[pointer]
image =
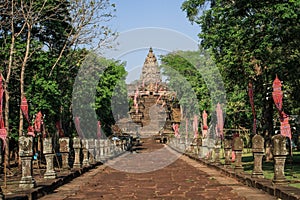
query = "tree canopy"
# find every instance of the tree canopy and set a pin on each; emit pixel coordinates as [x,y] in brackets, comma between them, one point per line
[252,41]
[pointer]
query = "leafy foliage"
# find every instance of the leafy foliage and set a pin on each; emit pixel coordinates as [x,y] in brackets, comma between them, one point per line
[252,41]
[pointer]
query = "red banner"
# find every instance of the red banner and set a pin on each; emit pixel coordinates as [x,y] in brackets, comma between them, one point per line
[220,121]
[99,130]
[38,122]
[24,108]
[251,97]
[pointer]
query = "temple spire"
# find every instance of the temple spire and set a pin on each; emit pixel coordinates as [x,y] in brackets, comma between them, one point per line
[150,71]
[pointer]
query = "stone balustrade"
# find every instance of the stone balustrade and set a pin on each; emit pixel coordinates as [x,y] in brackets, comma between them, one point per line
[86,152]
[26,154]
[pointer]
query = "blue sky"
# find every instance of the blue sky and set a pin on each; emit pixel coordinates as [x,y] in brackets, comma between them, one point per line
[153,13]
[170,30]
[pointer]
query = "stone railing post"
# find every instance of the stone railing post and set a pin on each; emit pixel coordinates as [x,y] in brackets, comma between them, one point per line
[279,153]
[26,153]
[97,150]
[107,152]
[77,149]
[227,151]
[85,152]
[49,155]
[91,148]
[238,145]
[217,151]
[258,153]
[64,150]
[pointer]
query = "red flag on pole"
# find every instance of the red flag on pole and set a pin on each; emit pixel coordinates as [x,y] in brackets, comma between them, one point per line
[205,127]
[285,128]
[277,94]
[250,93]
[59,129]
[24,108]
[77,125]
[98,129]
[38,122]
[3,131]
[176,130]
[220,121]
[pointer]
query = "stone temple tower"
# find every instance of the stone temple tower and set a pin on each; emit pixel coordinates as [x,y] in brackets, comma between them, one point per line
[150,71]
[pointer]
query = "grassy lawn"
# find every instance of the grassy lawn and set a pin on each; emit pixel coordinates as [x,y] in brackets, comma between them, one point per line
[292,167]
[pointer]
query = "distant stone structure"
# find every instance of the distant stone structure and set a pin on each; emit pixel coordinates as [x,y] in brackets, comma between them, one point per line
[155,109]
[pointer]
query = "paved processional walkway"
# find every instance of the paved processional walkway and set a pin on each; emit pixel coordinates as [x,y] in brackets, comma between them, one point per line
[182,179]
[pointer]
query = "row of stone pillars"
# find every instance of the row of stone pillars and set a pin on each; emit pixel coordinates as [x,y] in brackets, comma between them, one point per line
[93,151]
[210,150]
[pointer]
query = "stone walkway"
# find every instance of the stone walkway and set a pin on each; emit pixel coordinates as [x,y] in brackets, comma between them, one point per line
[182,179]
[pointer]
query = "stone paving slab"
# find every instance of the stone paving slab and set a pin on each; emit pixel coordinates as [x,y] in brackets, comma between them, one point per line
[183,179]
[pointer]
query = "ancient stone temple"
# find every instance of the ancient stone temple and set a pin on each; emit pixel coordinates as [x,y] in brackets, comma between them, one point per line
[155,109]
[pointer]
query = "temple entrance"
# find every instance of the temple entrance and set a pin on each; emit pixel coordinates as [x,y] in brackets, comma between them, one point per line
[154,108]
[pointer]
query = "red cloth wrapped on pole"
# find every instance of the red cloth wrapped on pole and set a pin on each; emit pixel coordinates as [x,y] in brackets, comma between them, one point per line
[30,131]
[135,101]
[77,126]
[24,108]
[277,94]
[195,126]
[205,127]
[220,121]
[38,122]
[3,131]
[250,93]
[99,130]
[59,129]
[176,130]
[1,103]
[285,128]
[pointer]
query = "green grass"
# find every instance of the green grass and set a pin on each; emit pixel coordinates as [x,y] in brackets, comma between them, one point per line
[292,167]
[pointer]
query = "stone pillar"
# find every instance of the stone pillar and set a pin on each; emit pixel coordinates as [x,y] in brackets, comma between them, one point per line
[103,149]
[114,148]
[279,153]
[217,152]
[26,153]
[124,145]
[97,150]
[91,148]
[85,152]
[64,151]
[108,151]
[77,150]
[227,151]
[211,146]
[49,155]
[238,145]
[258,153]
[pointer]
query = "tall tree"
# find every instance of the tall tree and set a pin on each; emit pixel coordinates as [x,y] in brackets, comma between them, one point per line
[252,41]
[40,42]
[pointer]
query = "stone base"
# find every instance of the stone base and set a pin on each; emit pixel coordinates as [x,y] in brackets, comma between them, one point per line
[280,182]
[257,175]
[238,169]
[50,175]
[27,183]
[77,166]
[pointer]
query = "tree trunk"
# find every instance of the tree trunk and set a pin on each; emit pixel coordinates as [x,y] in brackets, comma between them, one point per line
[22,77]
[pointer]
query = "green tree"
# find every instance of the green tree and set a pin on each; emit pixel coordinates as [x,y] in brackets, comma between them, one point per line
[252,41]
[195,78]
[42,47]
[96,84]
